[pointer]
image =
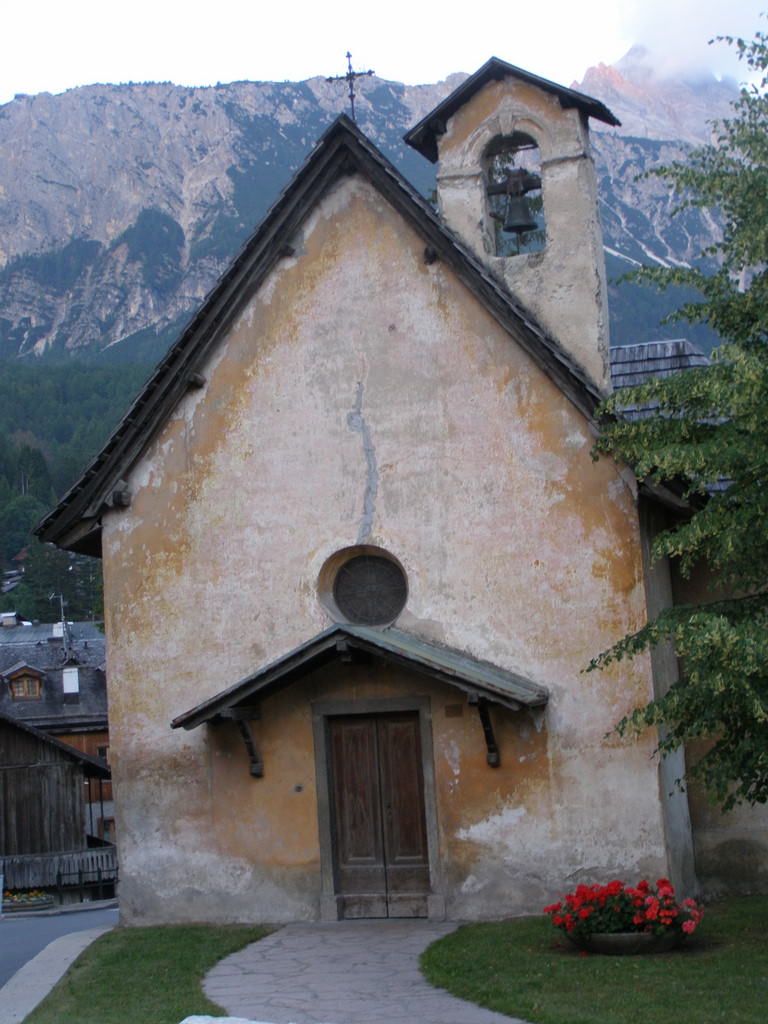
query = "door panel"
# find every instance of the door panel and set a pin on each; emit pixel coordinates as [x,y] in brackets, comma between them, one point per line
[402,798]
[359,845]
[380,838]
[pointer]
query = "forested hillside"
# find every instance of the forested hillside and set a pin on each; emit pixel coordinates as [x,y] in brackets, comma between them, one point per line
[53,419]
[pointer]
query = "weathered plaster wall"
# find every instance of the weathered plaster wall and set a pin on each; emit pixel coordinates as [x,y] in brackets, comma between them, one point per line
[364,396]
[564,284]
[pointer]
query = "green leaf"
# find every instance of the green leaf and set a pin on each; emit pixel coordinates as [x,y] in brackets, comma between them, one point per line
[708,431]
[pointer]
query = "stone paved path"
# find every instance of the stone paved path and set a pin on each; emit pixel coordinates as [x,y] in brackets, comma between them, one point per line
[346,972]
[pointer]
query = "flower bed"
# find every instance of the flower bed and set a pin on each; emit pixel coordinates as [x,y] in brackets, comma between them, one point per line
[618,908]
[30,899]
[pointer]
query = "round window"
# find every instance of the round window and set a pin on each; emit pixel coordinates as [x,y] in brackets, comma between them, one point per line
[370,590]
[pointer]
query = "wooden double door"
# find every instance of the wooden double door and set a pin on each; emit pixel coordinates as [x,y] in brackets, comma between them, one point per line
[379,835]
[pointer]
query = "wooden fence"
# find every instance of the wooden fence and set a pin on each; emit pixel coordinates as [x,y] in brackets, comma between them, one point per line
[93,869]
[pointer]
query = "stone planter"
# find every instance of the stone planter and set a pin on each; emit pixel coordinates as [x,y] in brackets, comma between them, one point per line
[628,943]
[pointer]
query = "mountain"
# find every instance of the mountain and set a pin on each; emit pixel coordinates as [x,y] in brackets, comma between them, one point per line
[657,106]
[123,203]
[661,118]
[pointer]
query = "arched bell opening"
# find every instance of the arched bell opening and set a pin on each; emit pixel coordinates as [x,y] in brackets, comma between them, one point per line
[512,167]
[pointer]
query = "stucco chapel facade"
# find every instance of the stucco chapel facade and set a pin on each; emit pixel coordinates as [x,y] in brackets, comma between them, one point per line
[357,554]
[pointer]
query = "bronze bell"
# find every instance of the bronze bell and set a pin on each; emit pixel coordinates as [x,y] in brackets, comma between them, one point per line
[518,218]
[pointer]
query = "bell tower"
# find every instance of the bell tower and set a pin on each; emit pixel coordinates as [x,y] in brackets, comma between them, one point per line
[516,182]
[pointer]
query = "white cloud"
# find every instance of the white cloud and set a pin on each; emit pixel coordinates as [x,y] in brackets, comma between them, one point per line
[677,32]
[53,46]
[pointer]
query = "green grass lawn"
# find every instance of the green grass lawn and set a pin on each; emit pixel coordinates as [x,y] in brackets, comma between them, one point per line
[526,968]
[142,976]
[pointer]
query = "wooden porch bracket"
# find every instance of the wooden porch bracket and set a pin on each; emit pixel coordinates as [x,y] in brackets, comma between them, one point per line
[492,757]
[242,715]
[256,764]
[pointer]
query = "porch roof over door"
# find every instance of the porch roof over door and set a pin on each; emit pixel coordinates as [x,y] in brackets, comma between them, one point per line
[478,679]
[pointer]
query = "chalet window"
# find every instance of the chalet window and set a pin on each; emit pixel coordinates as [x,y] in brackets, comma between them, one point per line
[513,189]
[25,688]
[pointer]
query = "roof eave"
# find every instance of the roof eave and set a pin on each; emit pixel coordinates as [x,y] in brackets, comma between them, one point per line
[423,136]
[96,767]
[177,371]
[337,641]
[75,523]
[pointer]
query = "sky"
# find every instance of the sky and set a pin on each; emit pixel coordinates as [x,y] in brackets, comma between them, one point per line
[53,45]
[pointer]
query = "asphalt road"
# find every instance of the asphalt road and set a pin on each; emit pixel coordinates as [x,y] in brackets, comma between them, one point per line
[21,938]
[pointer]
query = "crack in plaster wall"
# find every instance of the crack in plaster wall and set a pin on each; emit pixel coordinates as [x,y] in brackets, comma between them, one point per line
[356,423]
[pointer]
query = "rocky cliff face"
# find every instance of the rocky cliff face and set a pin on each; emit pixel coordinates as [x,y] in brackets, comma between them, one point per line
[122,204]
[652,106]
[660,119]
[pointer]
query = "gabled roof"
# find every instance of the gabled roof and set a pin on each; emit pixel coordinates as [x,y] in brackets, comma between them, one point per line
[52,711]
[94,767]
[342,150]
[477,678]
[423,136]
[47,655]
[22,667]
[49,711]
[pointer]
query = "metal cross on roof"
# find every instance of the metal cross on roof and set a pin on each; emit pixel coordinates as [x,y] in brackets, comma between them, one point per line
[350,78]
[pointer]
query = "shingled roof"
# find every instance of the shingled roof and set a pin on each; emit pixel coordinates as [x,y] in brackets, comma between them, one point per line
[47,654]
[423,136]
[636,364]
[343,149]
[644,361]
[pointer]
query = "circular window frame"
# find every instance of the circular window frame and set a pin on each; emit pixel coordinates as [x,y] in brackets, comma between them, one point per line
[328,579]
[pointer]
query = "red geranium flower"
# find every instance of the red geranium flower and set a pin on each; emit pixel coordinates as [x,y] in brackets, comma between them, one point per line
[618,907]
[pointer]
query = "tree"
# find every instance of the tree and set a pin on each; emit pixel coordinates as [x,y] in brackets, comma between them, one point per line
[17,518]
[33,475]
[51,574]
[710,430]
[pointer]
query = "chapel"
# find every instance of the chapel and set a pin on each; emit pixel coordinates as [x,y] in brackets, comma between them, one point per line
[357,553]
